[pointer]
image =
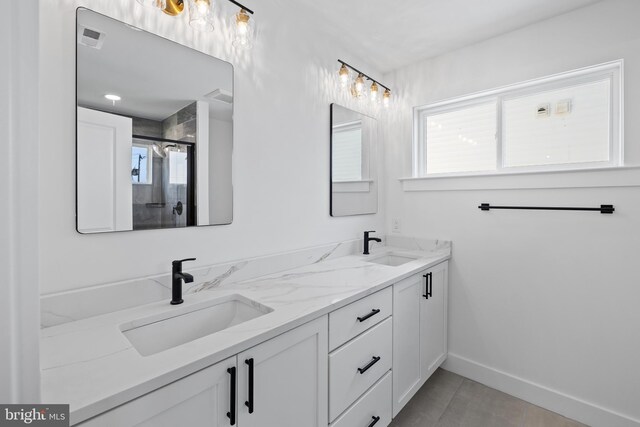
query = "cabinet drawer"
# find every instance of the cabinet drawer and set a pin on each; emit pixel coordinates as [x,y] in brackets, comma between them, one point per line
[350,321]
[358,365]
[374,404]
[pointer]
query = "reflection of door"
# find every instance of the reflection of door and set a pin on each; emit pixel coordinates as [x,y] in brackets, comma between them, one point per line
[105,201]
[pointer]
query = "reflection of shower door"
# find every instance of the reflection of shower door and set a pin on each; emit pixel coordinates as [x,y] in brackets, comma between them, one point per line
[191,186]
[181,184]
[103,172]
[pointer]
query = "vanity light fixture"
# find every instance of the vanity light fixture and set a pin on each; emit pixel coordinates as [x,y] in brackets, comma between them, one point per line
[201,17]
[357,88]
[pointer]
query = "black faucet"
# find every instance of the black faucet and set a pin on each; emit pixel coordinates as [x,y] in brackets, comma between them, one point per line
[177,276]
[367,239]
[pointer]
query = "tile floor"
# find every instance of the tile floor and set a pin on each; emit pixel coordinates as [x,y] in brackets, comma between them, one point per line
[449,400]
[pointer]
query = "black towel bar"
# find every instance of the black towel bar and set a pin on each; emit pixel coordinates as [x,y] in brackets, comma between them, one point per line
[603,209]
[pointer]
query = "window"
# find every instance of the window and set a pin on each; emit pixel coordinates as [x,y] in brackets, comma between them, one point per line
[177,167]
[141,164]
[347,152]
[567,121]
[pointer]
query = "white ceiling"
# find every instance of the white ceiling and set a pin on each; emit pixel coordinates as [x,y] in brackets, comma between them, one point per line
[154,76]
[392,34]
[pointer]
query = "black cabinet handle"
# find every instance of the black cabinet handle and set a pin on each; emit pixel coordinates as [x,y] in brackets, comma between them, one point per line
[374,422]
[364,369]
[428,285]
[232,397]
[249,403]
[373,313]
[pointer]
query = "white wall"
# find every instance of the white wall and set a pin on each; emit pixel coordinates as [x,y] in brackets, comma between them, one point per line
[283,88]
[544,305]
[19,307]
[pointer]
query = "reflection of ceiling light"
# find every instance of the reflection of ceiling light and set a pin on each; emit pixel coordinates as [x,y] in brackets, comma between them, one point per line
[112,97]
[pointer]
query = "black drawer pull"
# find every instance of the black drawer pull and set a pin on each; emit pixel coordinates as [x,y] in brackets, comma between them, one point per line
[374,422]
[232,397]
[364,369]
[249,402]
[373,313]
[428,285]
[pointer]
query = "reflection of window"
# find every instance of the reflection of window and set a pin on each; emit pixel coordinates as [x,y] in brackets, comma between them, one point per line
[141,164]
[177,167]
[569,121]
[347,152]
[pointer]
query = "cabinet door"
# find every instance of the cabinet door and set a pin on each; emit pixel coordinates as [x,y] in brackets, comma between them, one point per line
[407,296]
[289,384]
[433,322]
[201,399]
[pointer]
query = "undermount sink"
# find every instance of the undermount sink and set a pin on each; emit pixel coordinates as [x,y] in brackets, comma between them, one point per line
[392,260]
[171,329]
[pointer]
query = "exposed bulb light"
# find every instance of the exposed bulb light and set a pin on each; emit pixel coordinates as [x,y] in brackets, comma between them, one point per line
[374,91]
[201,15]
[344,75]
[386,98]
[359,85]
[203,6]
[242,26]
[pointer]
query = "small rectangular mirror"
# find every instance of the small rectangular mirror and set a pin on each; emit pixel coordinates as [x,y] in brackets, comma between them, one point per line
[354,186]
[154,135]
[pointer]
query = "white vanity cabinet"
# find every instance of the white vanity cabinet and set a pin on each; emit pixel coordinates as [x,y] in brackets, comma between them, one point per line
[288,387]
[419,331]
[356,366]
[200,399]
[360,362]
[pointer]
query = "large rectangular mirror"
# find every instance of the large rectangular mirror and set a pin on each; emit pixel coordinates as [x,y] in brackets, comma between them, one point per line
[354,186]
[154,133]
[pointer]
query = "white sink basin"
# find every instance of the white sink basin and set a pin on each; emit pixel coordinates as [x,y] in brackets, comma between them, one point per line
[391,259]
[173,328]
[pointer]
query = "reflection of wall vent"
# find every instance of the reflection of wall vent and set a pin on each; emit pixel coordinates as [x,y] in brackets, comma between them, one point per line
[90,38]
[221,95]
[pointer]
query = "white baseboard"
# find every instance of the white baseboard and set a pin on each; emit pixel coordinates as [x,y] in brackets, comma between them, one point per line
[569,406]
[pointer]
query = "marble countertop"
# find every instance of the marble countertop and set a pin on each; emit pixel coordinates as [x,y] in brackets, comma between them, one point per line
[91,365]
